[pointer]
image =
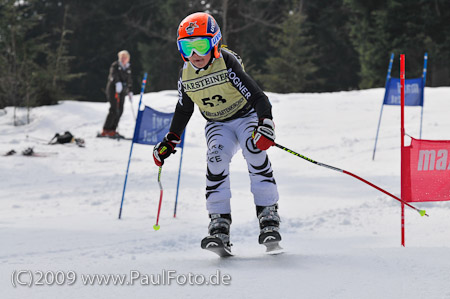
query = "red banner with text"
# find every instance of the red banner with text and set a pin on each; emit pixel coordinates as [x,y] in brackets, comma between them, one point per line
[426,171]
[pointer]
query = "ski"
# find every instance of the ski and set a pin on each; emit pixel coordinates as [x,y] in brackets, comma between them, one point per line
[216,245]
[10,153]
[117,137]
[271,239]
[273,248]
[29,152]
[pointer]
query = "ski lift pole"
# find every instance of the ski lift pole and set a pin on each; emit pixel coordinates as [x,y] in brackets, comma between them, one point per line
[421,212]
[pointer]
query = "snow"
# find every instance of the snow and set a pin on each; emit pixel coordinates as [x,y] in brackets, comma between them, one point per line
[341,237]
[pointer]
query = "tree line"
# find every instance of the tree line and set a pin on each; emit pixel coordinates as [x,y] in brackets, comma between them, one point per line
[62,49]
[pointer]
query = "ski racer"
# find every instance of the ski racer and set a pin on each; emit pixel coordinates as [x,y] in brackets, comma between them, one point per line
[238,115]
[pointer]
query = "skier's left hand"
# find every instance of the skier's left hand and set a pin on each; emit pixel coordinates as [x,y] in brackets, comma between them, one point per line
[264,134]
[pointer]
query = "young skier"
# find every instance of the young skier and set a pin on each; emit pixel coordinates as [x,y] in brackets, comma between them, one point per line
[238,115]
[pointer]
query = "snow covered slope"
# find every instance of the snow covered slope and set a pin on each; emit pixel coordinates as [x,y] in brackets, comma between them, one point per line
[341,237]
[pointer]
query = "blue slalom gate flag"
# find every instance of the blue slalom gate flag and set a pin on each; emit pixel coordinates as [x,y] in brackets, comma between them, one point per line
[413,92]
[152,126]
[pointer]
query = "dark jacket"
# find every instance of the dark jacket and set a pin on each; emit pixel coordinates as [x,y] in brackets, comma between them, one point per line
[119,74]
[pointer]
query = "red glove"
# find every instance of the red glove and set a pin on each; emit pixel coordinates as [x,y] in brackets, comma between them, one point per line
[165,148]
[264,134]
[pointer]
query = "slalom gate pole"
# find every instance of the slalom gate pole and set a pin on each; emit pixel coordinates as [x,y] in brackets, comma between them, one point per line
[179,177]
[178,185]
[156,226]
[388,77]
[424,77]
[144,82]
[421,212]
[402,141]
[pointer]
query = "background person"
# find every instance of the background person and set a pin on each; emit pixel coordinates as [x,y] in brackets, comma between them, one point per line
[119,85]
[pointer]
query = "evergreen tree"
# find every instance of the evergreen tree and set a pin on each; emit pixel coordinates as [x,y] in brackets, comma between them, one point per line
[286,45]
[293,68]
[99,33]
[436,14]
[369,43]
[412,28]
[19,53]
[314,48]
[55,72]
[35,64]
[338,64]
[247,28]
[157,24]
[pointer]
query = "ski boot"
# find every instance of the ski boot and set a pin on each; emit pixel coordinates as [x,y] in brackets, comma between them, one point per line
[117,135]
[218,240]
[269,223]
[107,133]
[28,152]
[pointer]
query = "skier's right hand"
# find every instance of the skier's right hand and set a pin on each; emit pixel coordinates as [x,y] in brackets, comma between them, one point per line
[165,148]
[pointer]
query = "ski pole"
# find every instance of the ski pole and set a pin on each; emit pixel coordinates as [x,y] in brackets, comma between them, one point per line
[131,103]
[156,226]
[116,96]
[421,212]
[36,138]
